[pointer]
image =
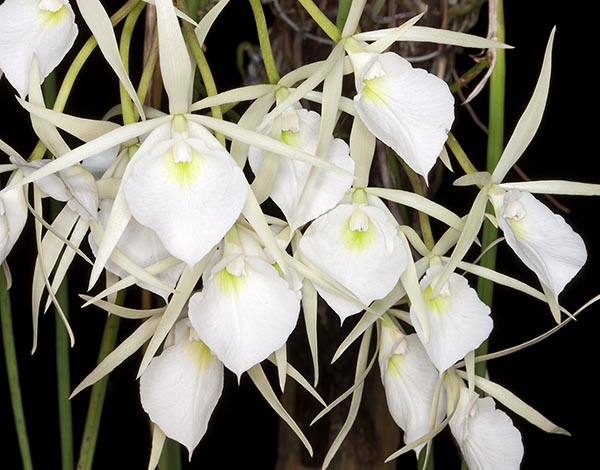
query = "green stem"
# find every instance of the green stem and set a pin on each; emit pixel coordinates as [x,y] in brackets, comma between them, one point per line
[63,377]
[127,107]
[148,72]
[494,150]
[418,185]
[264,41]
[342,13]
[470,75]
[460,154]
[92,422]
[319,17]
[12,370]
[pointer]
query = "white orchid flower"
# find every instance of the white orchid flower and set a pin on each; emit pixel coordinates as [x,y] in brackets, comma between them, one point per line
[13,216]
[142,246]
[458,320]
[357,245]
[74,185]
[185,186]
[410,381]
[300,195]
[486,436]
[181,387]
[541,239]
[246,309]
[408,109]
[45,28]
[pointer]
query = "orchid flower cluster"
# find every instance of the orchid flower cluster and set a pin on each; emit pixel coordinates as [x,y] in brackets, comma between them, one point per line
[176,202]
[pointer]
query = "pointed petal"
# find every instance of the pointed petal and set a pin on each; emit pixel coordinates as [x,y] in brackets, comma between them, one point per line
[486,436]
[541,239]
[458,320]
[189,204]
[410,381]
[408,109]
[27,28]
[530,120]
[367,261]
[180,389]
[244,318]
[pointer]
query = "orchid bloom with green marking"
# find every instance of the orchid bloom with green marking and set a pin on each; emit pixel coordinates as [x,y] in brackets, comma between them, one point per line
[408,109]
[13,216]
[301,191]
[181,387]
[458,320]
[358,245]
[410,380]
[44,28]
[185,186]
[541,239]
[485,435]
[247,309]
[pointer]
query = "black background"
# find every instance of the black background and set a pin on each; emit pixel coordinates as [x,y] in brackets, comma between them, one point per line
[557,377]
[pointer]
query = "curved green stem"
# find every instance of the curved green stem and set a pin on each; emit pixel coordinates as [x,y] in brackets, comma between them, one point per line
[12,369]
[264,41]
[319,17]
[127,107]
[460,154]
[92,422]
[74,69]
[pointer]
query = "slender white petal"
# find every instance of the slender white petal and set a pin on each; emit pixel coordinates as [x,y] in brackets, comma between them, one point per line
[408,109]
[303,195]
[486,436]
[410,380]
[180,388]
[13,215]
[45,28]
[541,239]
[458,320]
[245,312]
[142,246]
[359,246]
[187,188]
[74,185]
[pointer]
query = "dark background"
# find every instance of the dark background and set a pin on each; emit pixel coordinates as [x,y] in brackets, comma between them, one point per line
[557,377]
